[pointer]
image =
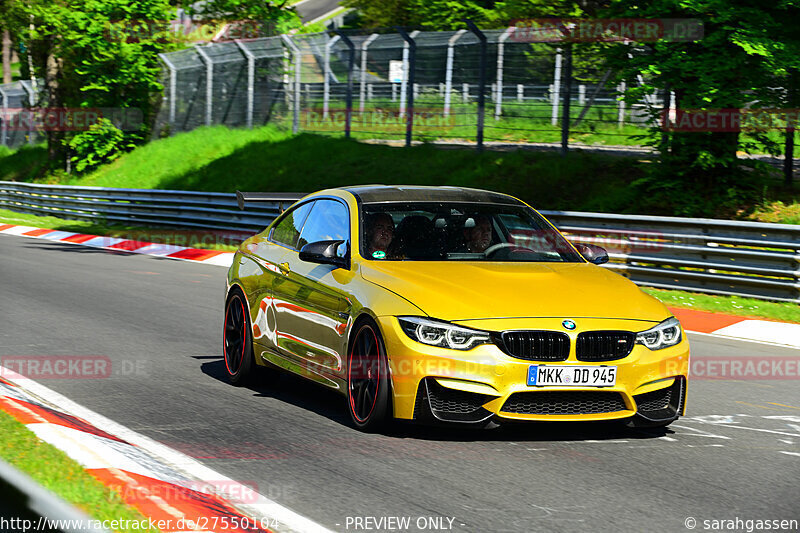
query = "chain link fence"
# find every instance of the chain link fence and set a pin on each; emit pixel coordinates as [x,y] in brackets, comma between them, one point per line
[469,85]
[16,126]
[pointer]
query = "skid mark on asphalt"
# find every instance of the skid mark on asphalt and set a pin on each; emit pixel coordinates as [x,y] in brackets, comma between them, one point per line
[759,406]
[784,405]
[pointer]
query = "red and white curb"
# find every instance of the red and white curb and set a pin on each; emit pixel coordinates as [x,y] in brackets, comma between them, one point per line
[164,484]
[738,327]
[211,257]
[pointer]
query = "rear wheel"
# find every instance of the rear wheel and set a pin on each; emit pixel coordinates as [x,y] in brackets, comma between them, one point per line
[237,340]
[368,378]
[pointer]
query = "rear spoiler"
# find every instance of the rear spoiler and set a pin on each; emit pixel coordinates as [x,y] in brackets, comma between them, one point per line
[280,198]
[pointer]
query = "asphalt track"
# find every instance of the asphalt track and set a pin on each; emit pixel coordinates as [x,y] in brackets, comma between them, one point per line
[737,455]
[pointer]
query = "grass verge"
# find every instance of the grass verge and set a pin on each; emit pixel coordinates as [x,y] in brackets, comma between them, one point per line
[55,471]
[205,239]
[266,159]
[731,305]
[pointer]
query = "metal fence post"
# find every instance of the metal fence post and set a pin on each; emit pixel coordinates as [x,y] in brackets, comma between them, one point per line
[31,92]
[351,63]
[296,91]
[4,129]
[594,94]
[363,85]
[465,93]
[498,102]
[556,88]
[581,94]
[520,93]
[448,76]
[404,81]
[173,83]
[251,76]
[665,122]
[409,54]
[209,83]
[621,111]
[481,81]
[567,100]
[326,84]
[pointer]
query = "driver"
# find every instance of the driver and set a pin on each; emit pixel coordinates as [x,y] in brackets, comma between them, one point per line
[478,235]
[380,233]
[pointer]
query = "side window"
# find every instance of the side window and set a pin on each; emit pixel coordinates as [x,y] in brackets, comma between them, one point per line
[288,229]
[328,220]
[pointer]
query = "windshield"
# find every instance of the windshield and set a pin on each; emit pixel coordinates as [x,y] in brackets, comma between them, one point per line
[452,231]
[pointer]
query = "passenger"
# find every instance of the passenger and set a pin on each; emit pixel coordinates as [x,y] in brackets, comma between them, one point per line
[478,235]
[380,233]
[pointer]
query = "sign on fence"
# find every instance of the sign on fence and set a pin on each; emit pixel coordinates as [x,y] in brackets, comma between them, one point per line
[396,71]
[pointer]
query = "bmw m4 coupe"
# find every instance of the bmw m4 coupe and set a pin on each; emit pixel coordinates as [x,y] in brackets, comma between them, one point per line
[449,305]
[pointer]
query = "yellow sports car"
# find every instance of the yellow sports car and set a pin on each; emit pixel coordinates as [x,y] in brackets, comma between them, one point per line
[449,305]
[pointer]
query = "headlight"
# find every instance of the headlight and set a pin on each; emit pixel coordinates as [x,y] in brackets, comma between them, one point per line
[444,334]
[664,335]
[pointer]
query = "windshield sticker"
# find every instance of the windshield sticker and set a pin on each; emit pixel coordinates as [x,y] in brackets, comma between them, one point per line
[379,254]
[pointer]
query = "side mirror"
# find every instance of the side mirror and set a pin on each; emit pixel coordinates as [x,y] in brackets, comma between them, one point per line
[592,253]
[324,253]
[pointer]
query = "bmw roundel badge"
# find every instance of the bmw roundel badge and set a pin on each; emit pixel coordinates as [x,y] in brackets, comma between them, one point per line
[568,324]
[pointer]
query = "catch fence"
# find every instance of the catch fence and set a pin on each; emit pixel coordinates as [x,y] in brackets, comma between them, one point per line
[406,86]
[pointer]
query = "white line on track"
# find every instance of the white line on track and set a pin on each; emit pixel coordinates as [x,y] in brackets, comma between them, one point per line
[754,429]
[744,340]
[266,508]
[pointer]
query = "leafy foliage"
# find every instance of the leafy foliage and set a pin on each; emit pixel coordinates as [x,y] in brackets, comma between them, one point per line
[102,143]
[746,49]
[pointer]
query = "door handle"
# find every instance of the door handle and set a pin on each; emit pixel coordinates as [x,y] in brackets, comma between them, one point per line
[285,267]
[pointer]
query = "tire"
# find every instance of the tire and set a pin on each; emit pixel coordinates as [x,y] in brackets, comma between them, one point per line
[237,340]
[368,388]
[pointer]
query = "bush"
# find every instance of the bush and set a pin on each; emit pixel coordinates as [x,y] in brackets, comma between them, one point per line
[101,143]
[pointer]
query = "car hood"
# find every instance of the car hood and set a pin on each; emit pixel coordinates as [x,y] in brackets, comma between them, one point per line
[467,291]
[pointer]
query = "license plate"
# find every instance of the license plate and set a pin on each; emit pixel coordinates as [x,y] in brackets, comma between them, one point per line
[571,376]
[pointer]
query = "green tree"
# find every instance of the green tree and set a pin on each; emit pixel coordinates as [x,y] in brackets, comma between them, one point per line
[428,14]
[748,47]
[104,54]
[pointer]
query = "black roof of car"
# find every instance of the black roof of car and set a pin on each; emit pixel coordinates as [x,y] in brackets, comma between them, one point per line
[370,194]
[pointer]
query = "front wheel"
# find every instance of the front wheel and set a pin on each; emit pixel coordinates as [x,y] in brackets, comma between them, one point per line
[368,379]
[237,341]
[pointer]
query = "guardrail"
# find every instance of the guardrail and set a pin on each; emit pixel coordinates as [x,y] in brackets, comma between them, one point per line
[705,255]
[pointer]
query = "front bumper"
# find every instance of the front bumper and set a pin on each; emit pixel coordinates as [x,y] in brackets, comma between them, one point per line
[474,385]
